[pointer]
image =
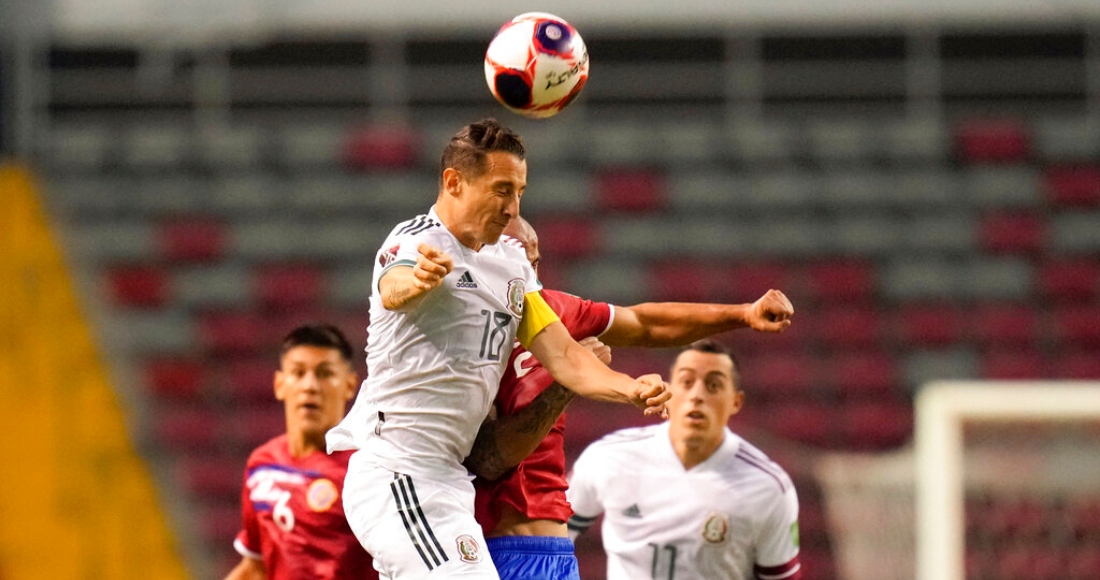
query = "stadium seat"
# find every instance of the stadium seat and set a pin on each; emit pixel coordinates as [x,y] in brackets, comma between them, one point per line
[79,147]
[785,188]
[1015,363]
[1000,323]
[783,378]
[923,279]
[923,365]
[116,241]
[196,239]
[175,378]
[914,140]
[156,146]
[138,286]
[310,145]
[1069,279]
[685,280]
[998,278]
[929,324]
[854,188]
[168,195]
[1077,364]
[386,148]
[842,281]
[349,285]
[860,234]
[234,332]
[151,332]
[563,238]
[633,190]
[560,192]
[215,478]
[1012,233]
[875,425]
[805,423]
[608,280]
[862,375]
[285,286]
[844,327]
[188,428]
[852,141]
[927,188]
[766,141]
[981,141]
[1063,138]
[1073,185]
[1076,326]
[246,193]
[232,147]
[949,233]
[248,381]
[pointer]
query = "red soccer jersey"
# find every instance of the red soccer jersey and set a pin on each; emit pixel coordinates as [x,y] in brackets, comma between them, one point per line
[536,487]
[293,517]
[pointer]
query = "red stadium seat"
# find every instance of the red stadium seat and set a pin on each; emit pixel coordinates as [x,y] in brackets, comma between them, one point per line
[250,380]
[1077,364]
[782,377]
[564,238]
[249,427]
[1008,364]
[689,281]
[1006,324]
[634,190]
[1073,185]
[235,333]
[1012,233]
[139,286]
[992,141]
[198,239]
[289,286]
[1070,279]
[215,478]
[220,524]
[175,378]
[374,148]
[859,375]
[191,429]
[929,325]
[1077,326]
[875,425]
[750,280]
[806,423]
[845,326]
[842,281]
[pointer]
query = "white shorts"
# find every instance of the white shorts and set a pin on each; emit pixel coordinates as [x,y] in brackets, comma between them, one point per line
[415,527]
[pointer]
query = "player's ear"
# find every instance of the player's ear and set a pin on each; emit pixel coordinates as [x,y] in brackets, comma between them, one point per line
[738,401]
[452,181]
[350,383]
[278,382]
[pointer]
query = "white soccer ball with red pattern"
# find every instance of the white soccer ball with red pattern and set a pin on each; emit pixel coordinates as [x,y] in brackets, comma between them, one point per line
[536,64]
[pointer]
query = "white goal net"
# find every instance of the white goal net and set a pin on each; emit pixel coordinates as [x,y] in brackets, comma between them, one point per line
[1002,483]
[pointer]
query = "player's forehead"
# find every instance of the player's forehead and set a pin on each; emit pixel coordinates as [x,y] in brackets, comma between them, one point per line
[501,167]
[311,355]
[696,362]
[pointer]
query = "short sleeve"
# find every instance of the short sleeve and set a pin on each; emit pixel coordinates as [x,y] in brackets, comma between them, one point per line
[777,544]
[247,542]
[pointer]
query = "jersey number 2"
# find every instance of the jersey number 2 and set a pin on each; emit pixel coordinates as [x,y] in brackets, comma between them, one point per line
[496,330]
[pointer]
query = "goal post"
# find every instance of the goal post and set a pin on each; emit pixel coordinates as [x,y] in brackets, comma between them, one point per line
[942,408]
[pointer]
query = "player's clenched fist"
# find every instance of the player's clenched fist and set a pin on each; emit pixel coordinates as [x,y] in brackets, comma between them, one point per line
[771,312]
[651,395]
[431,266]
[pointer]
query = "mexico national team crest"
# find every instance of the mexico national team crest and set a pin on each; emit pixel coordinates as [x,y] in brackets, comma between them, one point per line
[321,495]
[716,528]
[515,296]
[468,550]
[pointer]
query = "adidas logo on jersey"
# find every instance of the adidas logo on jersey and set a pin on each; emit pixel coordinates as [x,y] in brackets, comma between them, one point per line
[466,281]
[632,511]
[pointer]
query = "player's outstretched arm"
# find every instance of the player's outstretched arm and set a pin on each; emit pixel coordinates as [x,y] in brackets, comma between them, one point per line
[404,286]
[578,370]
[248,569]
[662,324]
[505,440]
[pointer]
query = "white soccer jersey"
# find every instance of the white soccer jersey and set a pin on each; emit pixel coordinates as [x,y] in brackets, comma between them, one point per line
[735,511]
[433,371]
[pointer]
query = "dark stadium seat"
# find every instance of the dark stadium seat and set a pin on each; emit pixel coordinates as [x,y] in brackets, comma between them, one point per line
[386,148]
[1005,323]
[188,428]
[1073,185]
[879,424]
[195,239]
[138,286]
[1069,279]
[216,478]
[992,141]
[802,422]
[844,326]
[862,375]
[1079,364]
[234,332]
[289,285]
[179,378]
[683,279]
[782,377]
[847,281]
[1012,233]
[248,380]
[929,324]
[567,237]
[1015,363]
[1076,326]
[631,190]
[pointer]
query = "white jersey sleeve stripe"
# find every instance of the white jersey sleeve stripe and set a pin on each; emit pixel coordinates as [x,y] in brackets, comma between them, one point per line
[244,551]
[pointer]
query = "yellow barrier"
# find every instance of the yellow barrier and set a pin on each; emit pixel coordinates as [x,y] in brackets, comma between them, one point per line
[76,501]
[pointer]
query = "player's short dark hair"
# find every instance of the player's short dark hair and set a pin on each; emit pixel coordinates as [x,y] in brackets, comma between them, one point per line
[712,346]
[467,149]
[320,335]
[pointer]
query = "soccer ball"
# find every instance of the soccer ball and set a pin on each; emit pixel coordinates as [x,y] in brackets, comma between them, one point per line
[536,64]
